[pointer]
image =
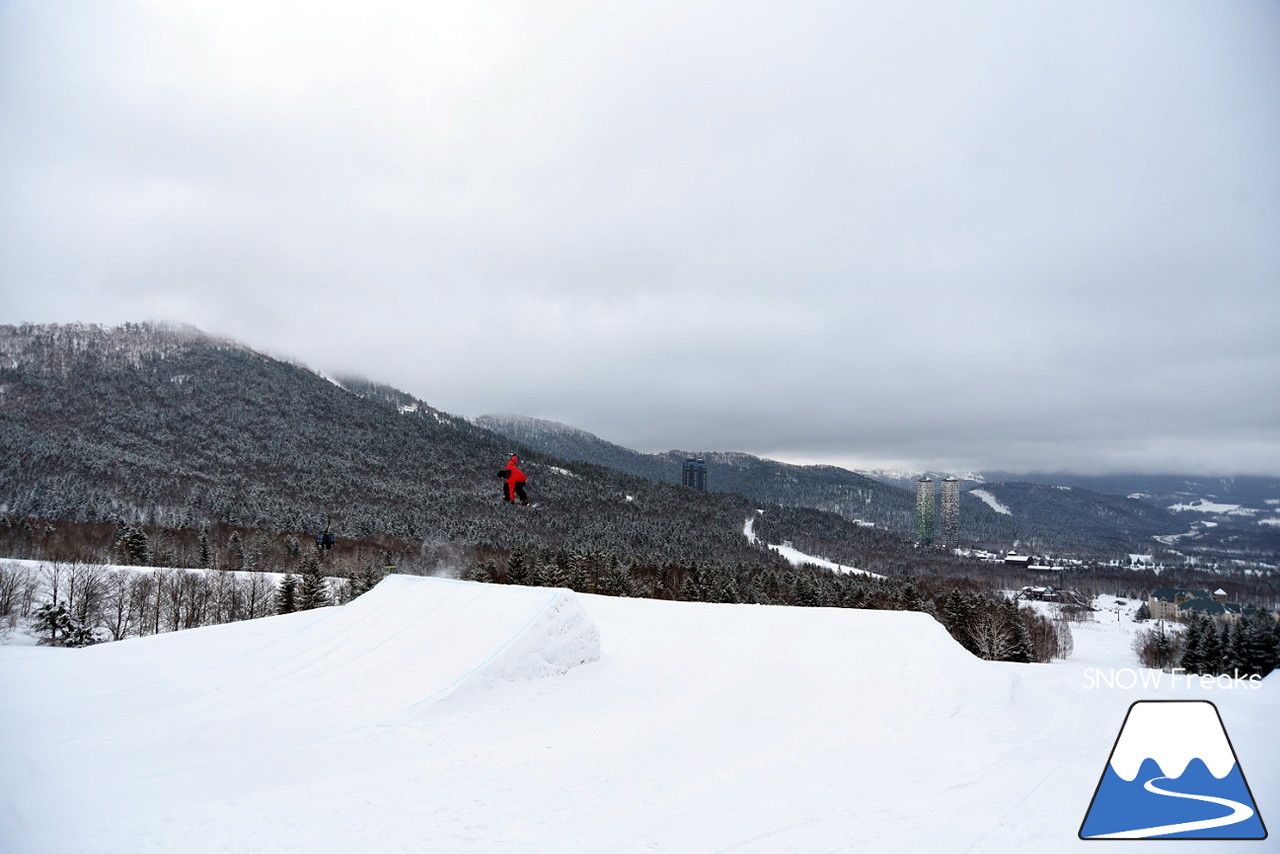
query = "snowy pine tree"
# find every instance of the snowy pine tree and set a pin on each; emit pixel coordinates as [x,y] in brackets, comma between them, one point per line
[1210,655]
[1256,644]
[287,594]
[314,590]
[205,550]
[131,544]
[59,627]
[1019,637]
[1193,652]
[517,568]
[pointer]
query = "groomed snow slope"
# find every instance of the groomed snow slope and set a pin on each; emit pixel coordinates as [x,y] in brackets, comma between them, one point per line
[414,720]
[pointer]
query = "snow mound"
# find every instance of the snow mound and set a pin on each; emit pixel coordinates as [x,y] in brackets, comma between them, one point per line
[419,640]
[528,633]
[428,716]
[300,678]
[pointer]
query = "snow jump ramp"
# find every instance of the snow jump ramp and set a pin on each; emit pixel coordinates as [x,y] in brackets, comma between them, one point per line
[411,642]
[300,678]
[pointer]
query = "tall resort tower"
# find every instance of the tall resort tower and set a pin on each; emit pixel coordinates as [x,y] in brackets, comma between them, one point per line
[694,474]
[925,503]
[951,512]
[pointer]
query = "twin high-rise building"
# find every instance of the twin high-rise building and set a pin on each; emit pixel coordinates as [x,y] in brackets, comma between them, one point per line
[926,511]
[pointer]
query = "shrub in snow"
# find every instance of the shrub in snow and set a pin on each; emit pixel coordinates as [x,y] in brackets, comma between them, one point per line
[57,627]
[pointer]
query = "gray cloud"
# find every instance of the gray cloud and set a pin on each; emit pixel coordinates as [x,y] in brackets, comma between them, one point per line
[957,235]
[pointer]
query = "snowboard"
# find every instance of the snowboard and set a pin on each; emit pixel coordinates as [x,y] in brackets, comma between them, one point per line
[530,506]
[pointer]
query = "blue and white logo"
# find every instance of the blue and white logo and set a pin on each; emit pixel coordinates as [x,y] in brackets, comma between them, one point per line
[1173,774]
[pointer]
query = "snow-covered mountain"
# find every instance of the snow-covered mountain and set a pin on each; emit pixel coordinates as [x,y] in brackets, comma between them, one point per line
[827,488]
[170,428]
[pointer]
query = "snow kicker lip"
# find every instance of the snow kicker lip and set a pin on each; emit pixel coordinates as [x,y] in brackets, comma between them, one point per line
[548,633]
[1173,774]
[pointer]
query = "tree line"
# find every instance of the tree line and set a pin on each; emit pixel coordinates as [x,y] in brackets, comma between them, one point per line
[991,627]
[1239,648]
[81,604]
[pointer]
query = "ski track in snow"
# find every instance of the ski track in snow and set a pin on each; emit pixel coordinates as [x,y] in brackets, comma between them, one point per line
[991,501]
[795,557]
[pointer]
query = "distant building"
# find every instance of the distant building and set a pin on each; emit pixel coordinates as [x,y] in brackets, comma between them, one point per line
[951,512]
[694,474]
[926,501]
[1169,603]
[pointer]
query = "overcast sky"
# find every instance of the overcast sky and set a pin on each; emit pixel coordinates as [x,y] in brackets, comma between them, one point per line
[945,235]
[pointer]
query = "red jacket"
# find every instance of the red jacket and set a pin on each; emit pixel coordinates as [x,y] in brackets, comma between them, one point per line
[513,471]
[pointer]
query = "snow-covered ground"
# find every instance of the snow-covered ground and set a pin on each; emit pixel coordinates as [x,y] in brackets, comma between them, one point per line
[795,557]
[1204,505]
[991,501]
[440,716]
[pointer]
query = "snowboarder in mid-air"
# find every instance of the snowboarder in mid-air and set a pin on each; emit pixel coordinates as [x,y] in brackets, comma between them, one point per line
[515,479]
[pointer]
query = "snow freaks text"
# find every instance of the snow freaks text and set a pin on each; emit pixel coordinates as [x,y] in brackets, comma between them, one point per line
[1127,678]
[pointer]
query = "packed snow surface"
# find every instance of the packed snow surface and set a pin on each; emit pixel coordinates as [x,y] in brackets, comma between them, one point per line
[795,557]
[1204,505]
[991,501]
[440,716]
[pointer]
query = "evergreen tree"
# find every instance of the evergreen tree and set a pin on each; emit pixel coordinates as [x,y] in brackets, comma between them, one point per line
[540,575]
[1257,644]
[958,616]
[911,599]
[579,573]
[1232,650]
[1275,635]
[694,584]
[314,590]
[60,627]
[53,622]
[1193,653]
[610,583]
[132,545]
[362,581]
[517,568]
[287,594]
[558,576]
[1019,636]
[1210,655]
[206,551]
[235,551]
[485,571]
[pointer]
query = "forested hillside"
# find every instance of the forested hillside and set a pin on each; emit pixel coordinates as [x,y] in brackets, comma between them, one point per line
[166,427]
[174,429]
[835,490]
[1039,518]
